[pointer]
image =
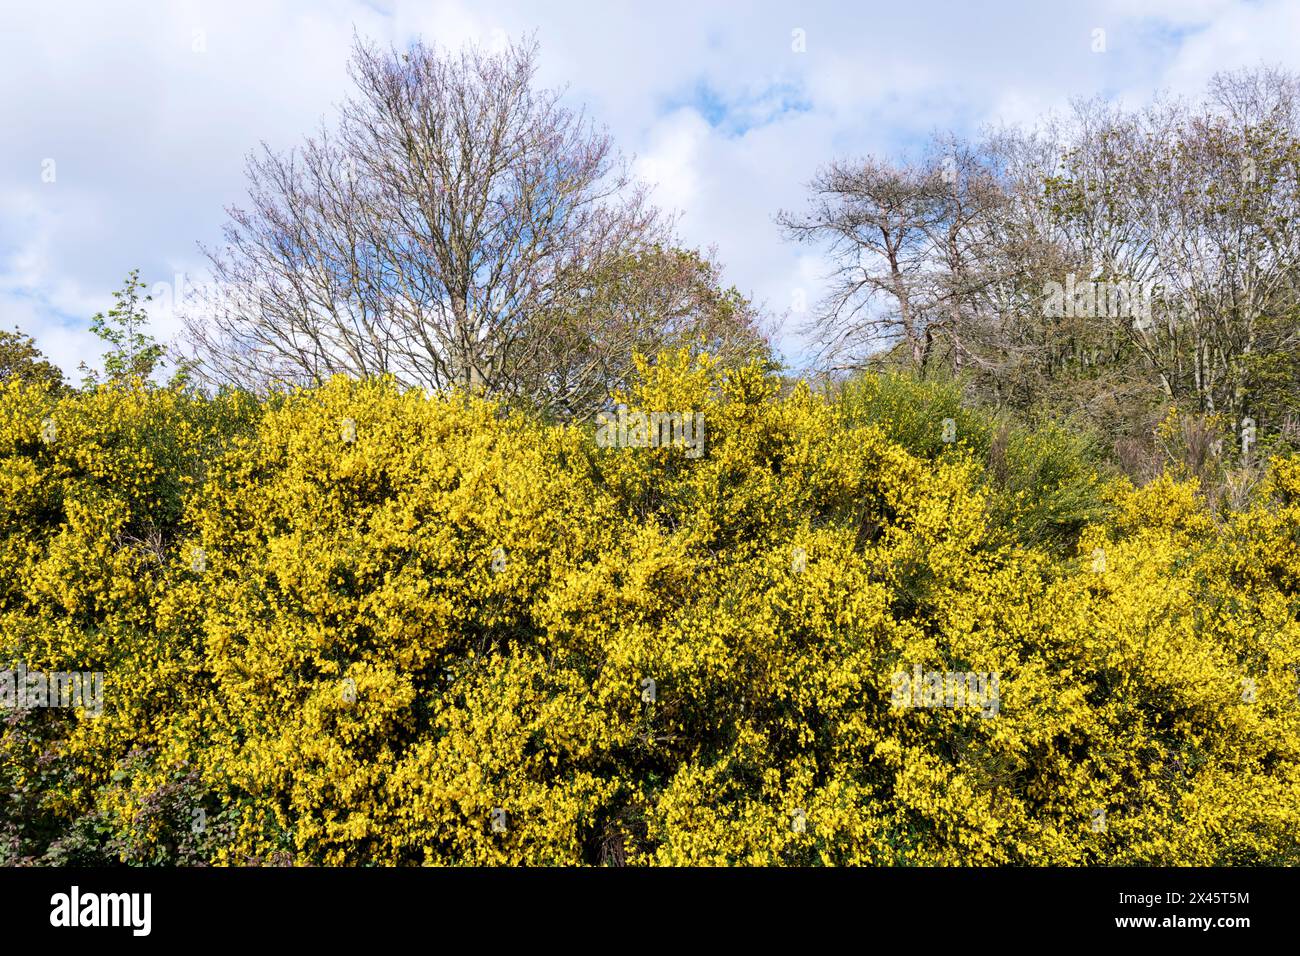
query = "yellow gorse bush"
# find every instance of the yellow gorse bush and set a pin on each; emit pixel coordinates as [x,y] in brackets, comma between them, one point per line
[355,625]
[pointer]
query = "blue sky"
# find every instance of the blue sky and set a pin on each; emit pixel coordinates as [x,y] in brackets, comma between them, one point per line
[141,113]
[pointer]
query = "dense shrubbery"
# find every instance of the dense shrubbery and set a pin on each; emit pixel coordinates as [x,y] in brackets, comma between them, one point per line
[347,625]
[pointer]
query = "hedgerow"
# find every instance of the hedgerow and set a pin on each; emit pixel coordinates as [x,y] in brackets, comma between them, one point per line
[361,625]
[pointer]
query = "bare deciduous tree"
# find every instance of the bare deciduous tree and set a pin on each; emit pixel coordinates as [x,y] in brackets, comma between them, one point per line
[432,233]
[876,221]
[914,253]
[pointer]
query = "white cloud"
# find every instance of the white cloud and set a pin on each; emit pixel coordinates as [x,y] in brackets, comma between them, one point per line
[671,165]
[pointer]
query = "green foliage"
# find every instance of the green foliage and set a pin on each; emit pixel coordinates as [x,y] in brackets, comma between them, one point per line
[133,353]
[21,359]
[1046,482]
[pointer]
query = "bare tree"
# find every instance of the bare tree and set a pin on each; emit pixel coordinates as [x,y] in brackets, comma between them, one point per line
[876,221]
[432,233]
[970,271]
